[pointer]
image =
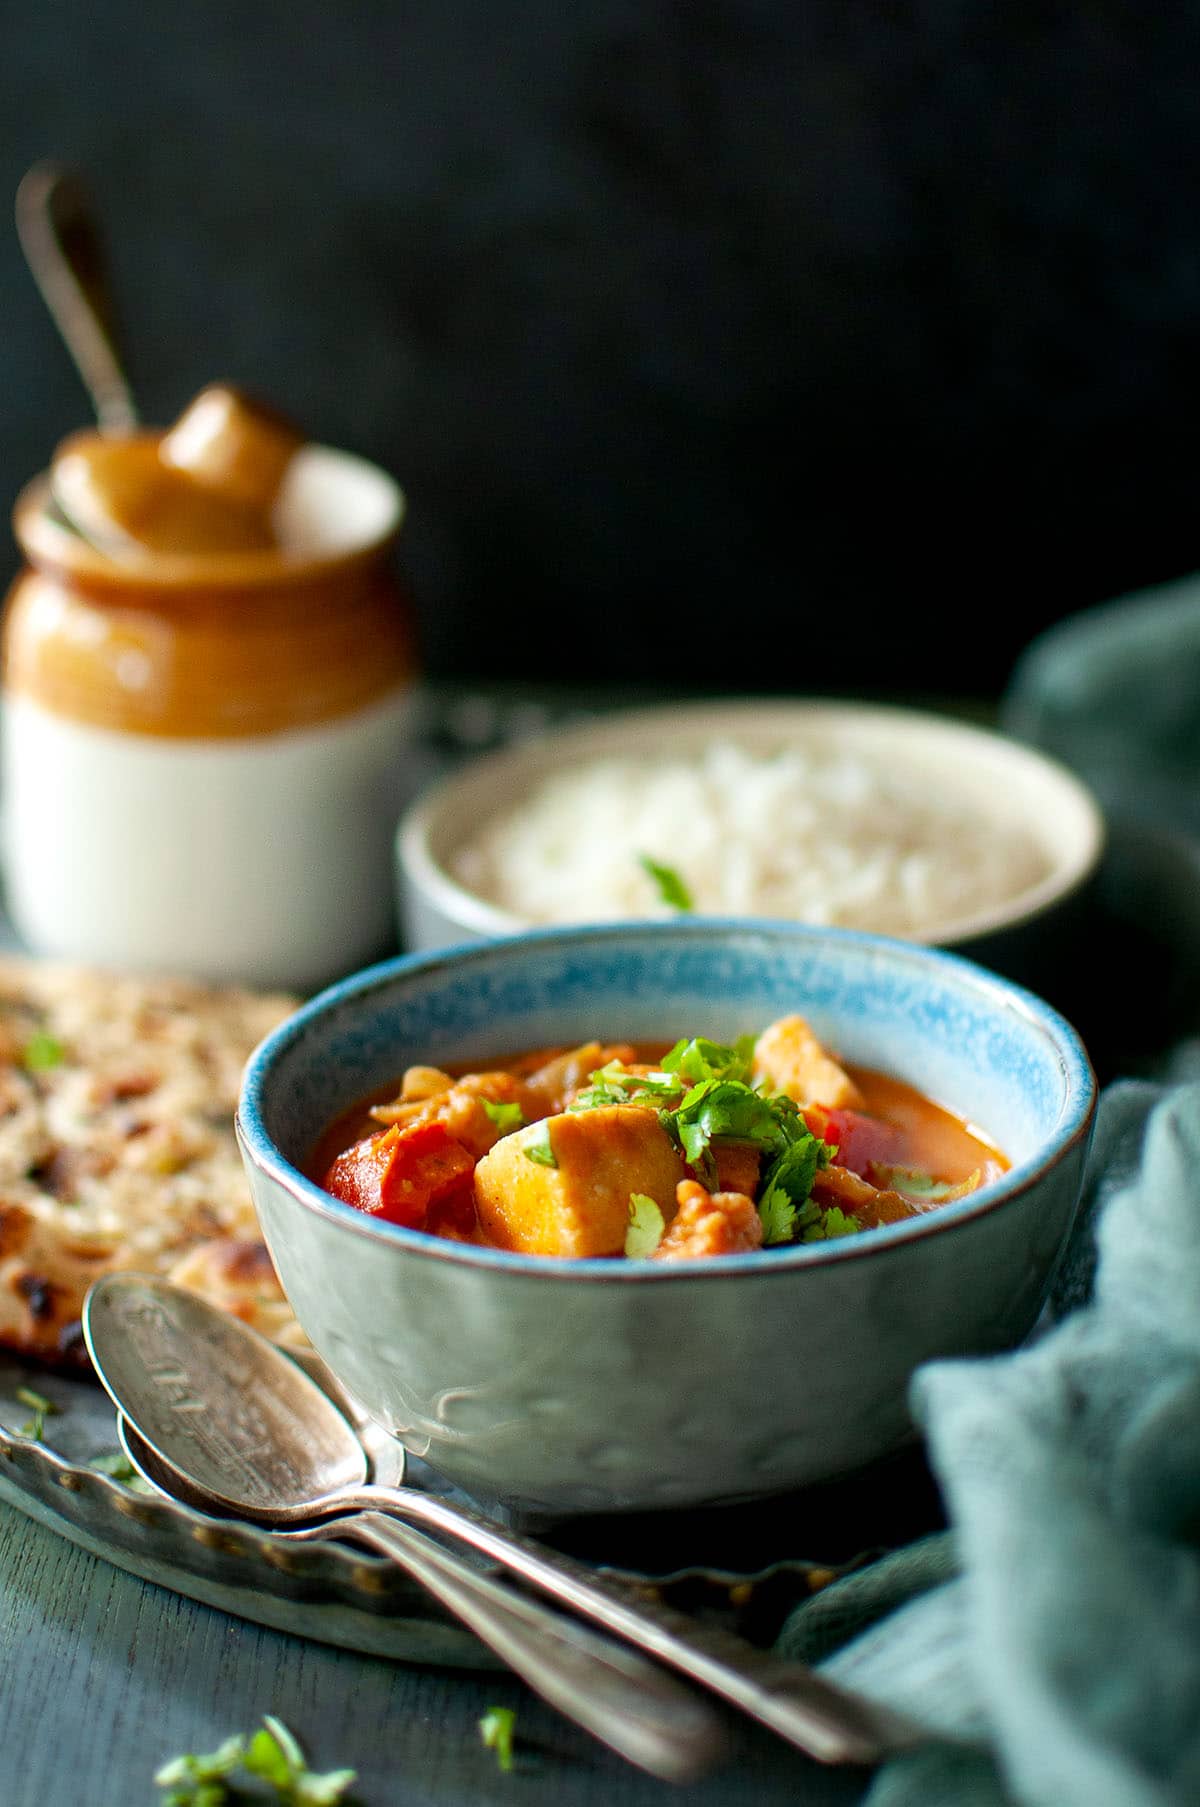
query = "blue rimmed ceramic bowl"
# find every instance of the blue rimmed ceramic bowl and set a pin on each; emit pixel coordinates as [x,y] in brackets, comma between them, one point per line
[560,1387]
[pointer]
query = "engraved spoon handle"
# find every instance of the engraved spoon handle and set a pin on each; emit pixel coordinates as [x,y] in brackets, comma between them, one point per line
[826,1721]
[632,1706]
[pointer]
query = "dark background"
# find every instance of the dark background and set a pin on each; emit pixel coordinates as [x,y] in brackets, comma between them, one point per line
[782,345]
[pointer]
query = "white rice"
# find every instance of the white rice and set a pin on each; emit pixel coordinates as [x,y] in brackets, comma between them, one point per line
[818,836]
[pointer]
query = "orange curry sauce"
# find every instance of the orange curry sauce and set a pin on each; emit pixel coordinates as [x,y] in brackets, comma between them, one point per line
[895,1154]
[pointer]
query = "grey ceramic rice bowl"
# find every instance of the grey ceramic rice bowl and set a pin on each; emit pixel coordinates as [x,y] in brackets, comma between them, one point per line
[559,1387]
[988,782]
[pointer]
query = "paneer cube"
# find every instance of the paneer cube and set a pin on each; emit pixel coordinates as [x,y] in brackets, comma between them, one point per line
[790,1058]
[579,1206]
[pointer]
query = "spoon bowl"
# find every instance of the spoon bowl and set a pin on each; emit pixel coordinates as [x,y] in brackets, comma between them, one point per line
[252,1432]
[226,1420]
[256,1438]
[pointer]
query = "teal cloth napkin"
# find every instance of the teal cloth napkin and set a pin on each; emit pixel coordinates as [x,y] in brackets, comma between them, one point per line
[1114,692]
[1050,1640]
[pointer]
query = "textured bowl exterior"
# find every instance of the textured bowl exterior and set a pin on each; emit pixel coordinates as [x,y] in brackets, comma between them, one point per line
[559,1387]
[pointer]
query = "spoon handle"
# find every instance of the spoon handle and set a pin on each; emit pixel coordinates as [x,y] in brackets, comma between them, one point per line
[629,1704]
[63,248]
[826,1721]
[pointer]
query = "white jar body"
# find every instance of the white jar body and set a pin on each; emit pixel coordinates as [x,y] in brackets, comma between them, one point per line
[263,861]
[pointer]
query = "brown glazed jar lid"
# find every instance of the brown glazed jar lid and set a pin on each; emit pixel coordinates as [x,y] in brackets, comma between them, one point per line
[218,644]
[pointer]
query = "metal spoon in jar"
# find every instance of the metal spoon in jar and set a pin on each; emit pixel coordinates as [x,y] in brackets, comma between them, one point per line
[240,1427]
[62,242]
[208,484]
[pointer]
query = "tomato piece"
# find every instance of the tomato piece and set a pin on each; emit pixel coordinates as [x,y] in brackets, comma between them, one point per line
[861,1141]
[406,1175]
[356,1176]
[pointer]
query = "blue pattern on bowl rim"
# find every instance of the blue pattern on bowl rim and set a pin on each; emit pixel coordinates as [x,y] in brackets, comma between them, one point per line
[1030,1081]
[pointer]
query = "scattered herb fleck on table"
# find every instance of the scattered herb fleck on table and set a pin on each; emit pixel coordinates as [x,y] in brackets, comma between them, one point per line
[496,1730]
[41,1407]
[271,1754]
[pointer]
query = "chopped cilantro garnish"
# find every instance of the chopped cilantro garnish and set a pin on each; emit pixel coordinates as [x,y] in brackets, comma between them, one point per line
[598,1098]
[41,1407]
[834,1222]
[41,1052]
[787,1185]
[700,1059]
[615,1084]
[671,888]
[37,1401]
[662,1084]
[506,1117]
[727,1107]
[114,1464]
[816,1225]
[271,1754]
[117,1466]
[778,1216]
[646,1226]
[188,1775]
[496,1730]
[537,1145]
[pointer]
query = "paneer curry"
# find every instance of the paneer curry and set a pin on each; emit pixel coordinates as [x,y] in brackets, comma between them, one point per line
[663,1154]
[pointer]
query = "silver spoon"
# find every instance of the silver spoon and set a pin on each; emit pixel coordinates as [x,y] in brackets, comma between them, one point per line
[237,1424]
[629,1704]
[61,240]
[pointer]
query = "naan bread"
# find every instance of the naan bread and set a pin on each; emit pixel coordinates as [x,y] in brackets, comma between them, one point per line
[117,1151]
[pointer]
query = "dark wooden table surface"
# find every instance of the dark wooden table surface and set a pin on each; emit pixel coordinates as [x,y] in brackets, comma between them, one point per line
[105,1676]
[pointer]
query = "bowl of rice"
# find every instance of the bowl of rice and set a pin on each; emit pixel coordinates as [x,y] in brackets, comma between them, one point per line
[864,816]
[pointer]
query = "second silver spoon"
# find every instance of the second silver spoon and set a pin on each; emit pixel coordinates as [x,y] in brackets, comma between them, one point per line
[245,1428]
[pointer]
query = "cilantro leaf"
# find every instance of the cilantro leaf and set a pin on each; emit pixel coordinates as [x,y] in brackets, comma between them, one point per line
[193,1769]
[326,1790]
[597,1098]
[615,1084]
[506,1117]
[700,1059]
[777,1214]
[660,1085]
[829,1224]
[727,1107]
[41,1408]
[787,1185]
[671,888]
[37,1402]
[114,1463]
[272,1754]
[646,1226]
[269,1758]
[41,1052]
[538,1147]
[496,1730]
[117,1466]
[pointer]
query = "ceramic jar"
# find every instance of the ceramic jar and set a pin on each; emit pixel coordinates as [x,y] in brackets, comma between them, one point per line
[202,753]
